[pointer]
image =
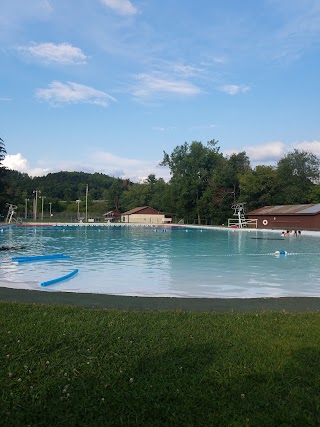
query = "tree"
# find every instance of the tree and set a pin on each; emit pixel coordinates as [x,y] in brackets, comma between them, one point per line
[314,194]
[134,197]
[226,184]
[223,188]
[191,167]
[2,151]
[299,163]
[115,193]
[3,184]
[259,187]
[298,172]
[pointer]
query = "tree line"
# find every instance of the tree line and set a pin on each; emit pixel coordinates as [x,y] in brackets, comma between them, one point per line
[203,186]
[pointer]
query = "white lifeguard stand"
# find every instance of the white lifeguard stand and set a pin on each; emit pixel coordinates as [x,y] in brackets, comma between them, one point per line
[11,211]
[240,221]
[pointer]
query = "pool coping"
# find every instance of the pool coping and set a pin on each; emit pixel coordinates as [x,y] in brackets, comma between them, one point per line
[132,303]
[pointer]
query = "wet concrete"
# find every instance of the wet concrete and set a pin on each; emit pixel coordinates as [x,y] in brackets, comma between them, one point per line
[218,305]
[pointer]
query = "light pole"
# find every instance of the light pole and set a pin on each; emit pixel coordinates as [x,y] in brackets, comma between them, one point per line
[42,203]
[78,203]
[35,203]
[26,208]
[87,189]
[50,204]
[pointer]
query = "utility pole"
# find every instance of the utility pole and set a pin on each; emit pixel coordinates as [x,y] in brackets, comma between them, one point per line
[35,204]
[26,208]
[87,203]
[78,203]
[42,203]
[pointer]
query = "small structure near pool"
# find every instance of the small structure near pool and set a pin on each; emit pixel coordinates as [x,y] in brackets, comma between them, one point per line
[112,216]
[288,217]
[146,215]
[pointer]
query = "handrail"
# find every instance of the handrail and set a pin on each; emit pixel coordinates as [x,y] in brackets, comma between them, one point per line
[243,223]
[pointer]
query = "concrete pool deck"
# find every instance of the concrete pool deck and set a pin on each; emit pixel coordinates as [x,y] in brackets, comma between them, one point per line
[116,302]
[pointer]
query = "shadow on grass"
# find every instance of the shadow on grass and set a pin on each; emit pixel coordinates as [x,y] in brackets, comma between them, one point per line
[195,387]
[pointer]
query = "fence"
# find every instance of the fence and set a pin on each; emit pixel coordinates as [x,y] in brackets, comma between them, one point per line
[243,223]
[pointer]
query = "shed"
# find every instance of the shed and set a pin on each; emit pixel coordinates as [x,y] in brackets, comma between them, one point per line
[112,216]
[146,215]
[288,217]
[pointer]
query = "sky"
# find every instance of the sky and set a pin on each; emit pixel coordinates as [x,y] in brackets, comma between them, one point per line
[109,85]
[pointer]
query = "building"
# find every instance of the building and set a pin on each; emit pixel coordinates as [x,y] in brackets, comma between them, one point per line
[288,217]
[146,215]
[112,216]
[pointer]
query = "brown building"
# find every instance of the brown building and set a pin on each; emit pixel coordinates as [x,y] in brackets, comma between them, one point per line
[112,216]
[146,215]
[288,217]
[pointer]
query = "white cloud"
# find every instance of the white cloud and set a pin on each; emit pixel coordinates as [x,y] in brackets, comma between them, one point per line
[133,169]
[5,99]
[271,151]
[73,93]
[122,7]
[154,84]
[187,70]
[219,60]
[63,53]
[312,146]
[103,162]
[234,89]
[113,160]
[19,163]
[267,153]
[215,60]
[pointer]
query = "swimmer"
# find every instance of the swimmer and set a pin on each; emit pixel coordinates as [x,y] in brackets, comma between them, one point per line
[11,248]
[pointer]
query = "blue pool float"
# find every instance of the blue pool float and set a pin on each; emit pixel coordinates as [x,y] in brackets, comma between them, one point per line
[39,257]
[60,279]
[282,252]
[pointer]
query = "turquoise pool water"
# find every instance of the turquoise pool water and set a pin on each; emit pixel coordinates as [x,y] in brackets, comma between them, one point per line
[148,261]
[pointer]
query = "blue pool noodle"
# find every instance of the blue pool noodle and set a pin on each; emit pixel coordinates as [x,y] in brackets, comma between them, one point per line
[39,257]
[60,279]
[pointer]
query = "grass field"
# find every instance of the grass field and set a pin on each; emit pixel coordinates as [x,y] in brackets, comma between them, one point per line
[71,366]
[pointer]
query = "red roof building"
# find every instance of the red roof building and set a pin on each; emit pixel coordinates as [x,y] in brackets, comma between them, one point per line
[288,217]
[112,216]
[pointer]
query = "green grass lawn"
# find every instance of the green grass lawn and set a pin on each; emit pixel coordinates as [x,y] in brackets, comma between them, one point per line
[70,366]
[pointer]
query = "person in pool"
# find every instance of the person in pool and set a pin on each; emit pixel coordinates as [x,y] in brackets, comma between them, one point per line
[11,248]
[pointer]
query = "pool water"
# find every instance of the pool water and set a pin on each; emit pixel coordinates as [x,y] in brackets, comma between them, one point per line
[151,261]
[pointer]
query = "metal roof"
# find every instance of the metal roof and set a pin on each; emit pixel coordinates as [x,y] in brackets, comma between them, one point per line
[312,209]
[136,210]
[112,213]
[287,210]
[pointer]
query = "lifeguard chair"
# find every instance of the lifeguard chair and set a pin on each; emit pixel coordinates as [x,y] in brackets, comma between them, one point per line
[241,221]
[11,212]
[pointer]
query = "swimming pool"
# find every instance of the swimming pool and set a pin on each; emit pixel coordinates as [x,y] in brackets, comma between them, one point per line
[152,261]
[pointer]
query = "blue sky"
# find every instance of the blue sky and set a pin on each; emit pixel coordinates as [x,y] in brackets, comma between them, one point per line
[107,85]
